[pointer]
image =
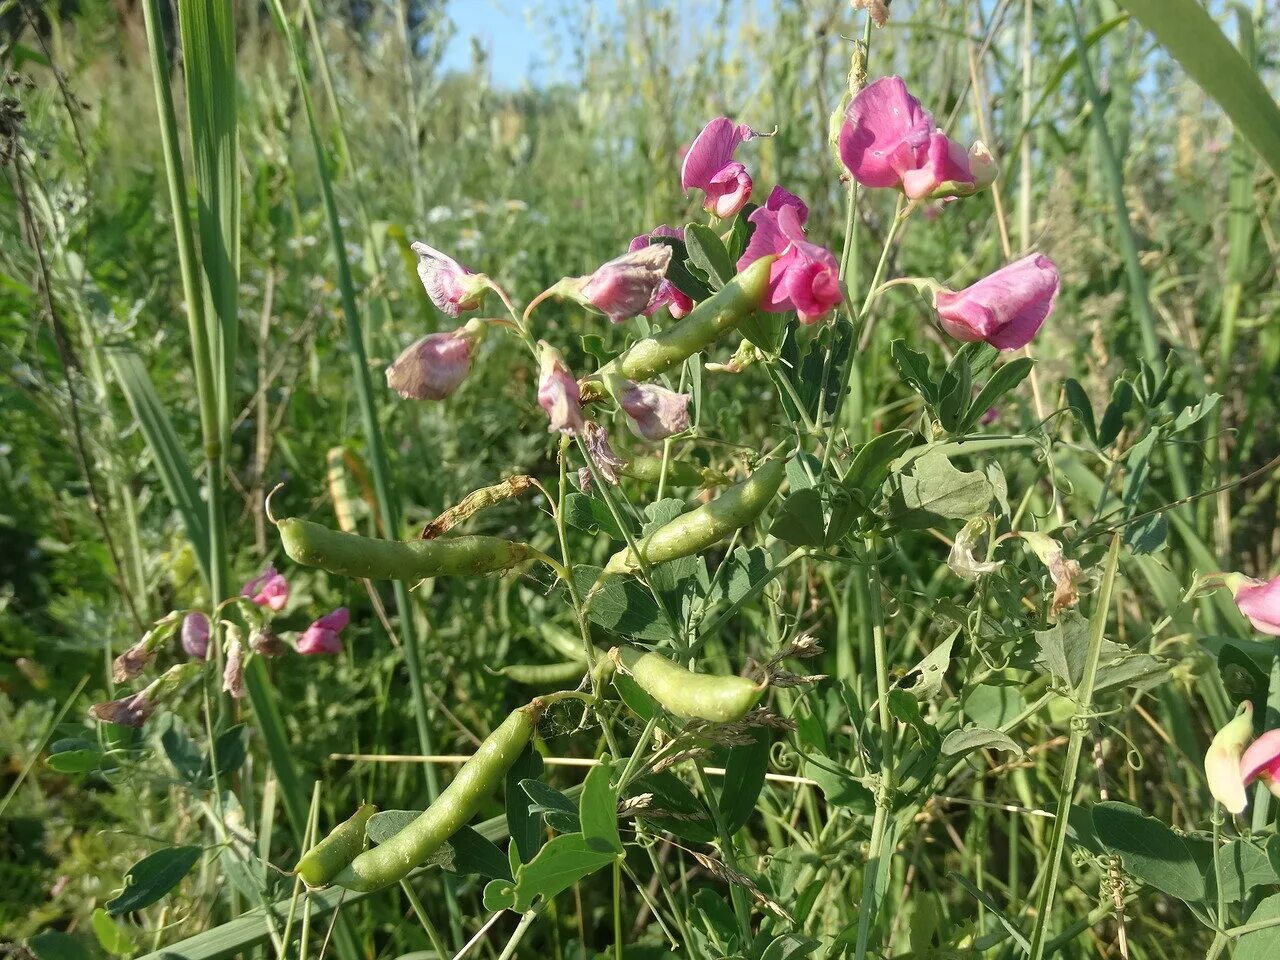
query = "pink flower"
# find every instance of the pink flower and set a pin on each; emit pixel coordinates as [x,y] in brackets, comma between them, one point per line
[889,140]
[596,439]
[653,412]
[558,392]
[322,636]
[431,368]
[1262,762]
[805,277]
[451,286]
[625,286]
[195,635]
[268,589]
[668,294]
[1005,309]
[1259,601]
[709,166]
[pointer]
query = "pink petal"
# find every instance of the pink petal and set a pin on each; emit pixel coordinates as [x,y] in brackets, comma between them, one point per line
[1262,759]
[1007,308]
[945,161]
[728,191]
[711,151]
[1260,602]
[883,130]
[768,237]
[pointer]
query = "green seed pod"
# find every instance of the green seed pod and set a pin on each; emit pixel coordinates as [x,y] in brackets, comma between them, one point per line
[372,559]
[324,861]
[479,777]
[698,529]
[716,315]
[695,696]
[649,469]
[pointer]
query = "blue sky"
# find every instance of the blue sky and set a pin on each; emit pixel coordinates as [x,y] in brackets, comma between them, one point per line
[505,32]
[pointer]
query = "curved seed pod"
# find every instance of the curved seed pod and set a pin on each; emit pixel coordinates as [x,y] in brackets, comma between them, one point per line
[721,312]
[479,777]
[695,696]
[698,529]
[324,861]
[372,559]
[545,674]
[649,469]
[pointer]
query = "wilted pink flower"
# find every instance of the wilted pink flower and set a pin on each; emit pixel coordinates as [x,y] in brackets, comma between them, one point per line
[130,711]
[625,286]
[264,642]
[653,412]
[431,368]
[322,636]
[132,662]
[709,166]
[1005,309]
[451,286]
[195,635]
[805,277]
[1222,760]
[889,140]
[268,589]
[558,392]
[1262,762]
[233,669]
[1258,600]
[668,294]
[596,439]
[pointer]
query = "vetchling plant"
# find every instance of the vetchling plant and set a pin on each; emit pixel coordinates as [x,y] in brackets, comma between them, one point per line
[659,690]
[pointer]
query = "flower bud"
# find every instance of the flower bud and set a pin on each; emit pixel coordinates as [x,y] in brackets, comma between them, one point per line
[622,288]
[1259,600]
[558,392]
[596,439]
[667,294]
[433,367]
[653,412]
[195,635]
[451,286]
[1222,761]
[268,589]
[322,635]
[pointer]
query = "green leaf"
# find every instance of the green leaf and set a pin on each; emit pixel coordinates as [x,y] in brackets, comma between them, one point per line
[622,606]
[1064,648]
[739,572]
[598,810]
[558,810]
[56,945]
[930,670]
[637,701]
[1240,866]
[708,254]
[974,737]
[475,854]
[1002,382]
[230,747]
[1113,418]
[799,520]
[989,902]
[678,271]
[183,752]
[499,895]
[523,823]
[74,761]
[1261,944]
[1150,851]
[152,877]
[790,946]
[1191,36]
[743,780]
[1137,671]
[691,821]
[1241,676]
[993,704]
[560,864]
[1081,407]
[871,462]
[838,785]
[590,514]
[914,368]
[765,330]
[111,937]
[1194,414]
[936,490]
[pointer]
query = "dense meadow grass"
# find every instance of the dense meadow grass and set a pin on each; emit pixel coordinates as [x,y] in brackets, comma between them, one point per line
[974,683]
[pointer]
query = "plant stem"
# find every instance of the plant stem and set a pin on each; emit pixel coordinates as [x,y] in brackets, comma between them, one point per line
[1080,722]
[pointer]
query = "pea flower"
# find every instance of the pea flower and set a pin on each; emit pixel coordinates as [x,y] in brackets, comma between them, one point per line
[451,286]
[134,709]
[1259,600]
[138,657]
[1006,309]
[622,288]
[1262,762]
[195,635]
[888,140]
[558,392]
[709,166]
[668,294]
[322,635]
[653,412]
[268,589]
[434,366]
[233,669]
[1222,762]
[596,439]
[805,277]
